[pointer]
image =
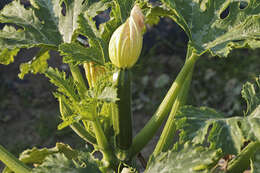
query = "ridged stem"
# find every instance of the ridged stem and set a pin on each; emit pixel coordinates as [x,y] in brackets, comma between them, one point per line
[102,142]
[146,134]
[12,162]
[77,76]
[86,66]
[166,139]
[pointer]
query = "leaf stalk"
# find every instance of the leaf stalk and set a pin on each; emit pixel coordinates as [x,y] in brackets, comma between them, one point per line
[146,134]
[77,76]
[166,139]
[12,162]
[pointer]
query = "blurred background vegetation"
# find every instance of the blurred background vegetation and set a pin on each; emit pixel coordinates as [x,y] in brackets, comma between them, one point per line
[29,113]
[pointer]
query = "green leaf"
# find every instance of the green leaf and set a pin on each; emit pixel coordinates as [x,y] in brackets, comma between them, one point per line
[88,29]
[202,125]
[38,156]
[7,57]
[39,64]
[65,85]
[123,9]
[255,163]
[98,46]
[251,95]
[58,163]
[120,11]
[36,26]
[208,30]
[186,159]
[154,13]
[74,52]
[68,21]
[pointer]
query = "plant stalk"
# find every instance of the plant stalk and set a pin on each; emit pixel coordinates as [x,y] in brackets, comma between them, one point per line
[88,74]
[242,161]
[166,139]
[146,134]
[102,142]
[77,76]
[12,162]
[81,132]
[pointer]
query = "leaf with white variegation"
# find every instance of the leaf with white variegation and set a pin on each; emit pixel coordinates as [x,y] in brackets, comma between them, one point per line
[68,20]
[35,26]
[210,30]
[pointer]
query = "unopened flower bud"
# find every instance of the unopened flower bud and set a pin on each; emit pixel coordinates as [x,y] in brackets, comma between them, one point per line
[126,42]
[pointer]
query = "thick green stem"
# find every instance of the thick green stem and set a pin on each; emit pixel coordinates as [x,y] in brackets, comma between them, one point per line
[166,139]
[77,76]
[146,134]
[108,155]
[12,162]
[242,161]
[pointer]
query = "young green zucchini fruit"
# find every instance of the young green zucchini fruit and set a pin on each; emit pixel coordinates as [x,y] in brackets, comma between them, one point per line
[122,114]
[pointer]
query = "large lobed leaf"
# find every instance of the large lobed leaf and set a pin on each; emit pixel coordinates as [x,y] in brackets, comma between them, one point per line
[36,26]
[186,159]
[202,125]
[36,156]
[210,30]
[53,24]
[205,125]
[31,27]
[59,163]
[46,24]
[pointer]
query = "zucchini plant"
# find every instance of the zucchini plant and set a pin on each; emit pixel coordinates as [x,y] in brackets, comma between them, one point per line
[96,104]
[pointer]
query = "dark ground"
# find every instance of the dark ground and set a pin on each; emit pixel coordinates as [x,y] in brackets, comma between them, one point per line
[29,113]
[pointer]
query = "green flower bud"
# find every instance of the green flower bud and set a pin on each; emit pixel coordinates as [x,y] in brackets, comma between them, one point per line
[126,42]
